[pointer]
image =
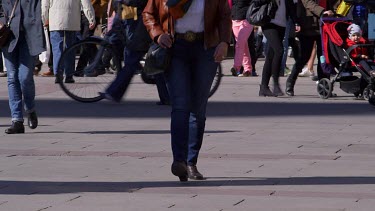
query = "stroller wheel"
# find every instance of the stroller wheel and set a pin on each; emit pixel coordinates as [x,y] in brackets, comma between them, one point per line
[324,88]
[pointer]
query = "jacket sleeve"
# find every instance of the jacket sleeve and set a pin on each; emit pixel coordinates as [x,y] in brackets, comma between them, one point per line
[45,10]
[2,15]
[312,6]
[88,10]
[151,19]
[292,11]
[225,22]
[135,3]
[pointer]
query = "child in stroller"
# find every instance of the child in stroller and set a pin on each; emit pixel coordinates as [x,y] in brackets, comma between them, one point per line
[342,54]
[359,54]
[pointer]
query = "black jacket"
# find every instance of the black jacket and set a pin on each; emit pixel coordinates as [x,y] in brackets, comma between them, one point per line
[239,9]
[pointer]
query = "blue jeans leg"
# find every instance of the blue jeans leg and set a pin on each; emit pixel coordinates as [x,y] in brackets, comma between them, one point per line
[119,86]
[20,65]
[57,42]
[191,74]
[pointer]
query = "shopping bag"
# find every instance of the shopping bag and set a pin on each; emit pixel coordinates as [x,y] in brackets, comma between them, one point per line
[44,56]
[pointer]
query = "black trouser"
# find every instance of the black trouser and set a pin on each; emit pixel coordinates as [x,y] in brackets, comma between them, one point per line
[275,35]
[252,49]
[88,51]
[307,45]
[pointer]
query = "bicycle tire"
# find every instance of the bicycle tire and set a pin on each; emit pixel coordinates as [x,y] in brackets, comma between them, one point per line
[89,82]
[217,80]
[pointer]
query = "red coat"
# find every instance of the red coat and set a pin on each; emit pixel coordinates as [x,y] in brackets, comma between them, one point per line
[356,53]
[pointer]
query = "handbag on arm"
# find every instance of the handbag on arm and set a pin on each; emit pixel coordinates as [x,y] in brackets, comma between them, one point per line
[158,59]
[261,12]
[5,29]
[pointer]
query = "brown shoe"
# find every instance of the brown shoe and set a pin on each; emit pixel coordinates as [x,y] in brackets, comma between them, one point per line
[49,73]
[3,74]
[193,173]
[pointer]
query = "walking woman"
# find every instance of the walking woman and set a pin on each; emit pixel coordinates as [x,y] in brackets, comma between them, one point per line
[200,31]
[241,30]
[26,42]
[274,32]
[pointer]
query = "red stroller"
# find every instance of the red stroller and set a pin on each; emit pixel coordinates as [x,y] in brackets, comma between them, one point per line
[338,61]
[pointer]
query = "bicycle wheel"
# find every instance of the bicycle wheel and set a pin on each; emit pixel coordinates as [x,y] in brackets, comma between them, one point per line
[217,80]
[89,75]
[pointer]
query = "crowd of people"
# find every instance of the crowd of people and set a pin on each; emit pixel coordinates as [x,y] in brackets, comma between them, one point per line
[197,32]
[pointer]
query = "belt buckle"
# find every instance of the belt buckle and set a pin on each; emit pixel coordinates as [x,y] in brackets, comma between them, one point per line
[190,36]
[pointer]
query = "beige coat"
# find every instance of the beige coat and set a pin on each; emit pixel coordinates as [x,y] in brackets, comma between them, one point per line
[66,14]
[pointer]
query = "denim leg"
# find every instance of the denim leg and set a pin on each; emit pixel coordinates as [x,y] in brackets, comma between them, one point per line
[119,86]
[57,42]
[179,82]
[202,78]
[20,66]
[191,74]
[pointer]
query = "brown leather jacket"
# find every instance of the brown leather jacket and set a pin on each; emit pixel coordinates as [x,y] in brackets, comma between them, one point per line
[217,21]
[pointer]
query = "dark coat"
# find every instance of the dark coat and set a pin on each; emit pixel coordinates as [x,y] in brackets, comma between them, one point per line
[140,41]
[239,9]
[31,24]
[308,15]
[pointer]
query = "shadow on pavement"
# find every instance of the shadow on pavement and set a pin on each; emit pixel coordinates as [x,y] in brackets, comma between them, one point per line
[8,187]
[148,109]
[135,132]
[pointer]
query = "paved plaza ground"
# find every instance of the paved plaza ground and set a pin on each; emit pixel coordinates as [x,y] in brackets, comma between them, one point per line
[259,153]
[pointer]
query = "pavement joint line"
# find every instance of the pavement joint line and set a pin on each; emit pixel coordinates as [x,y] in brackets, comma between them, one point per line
[44,208]
[4,202]
[142,155]
[72,199]
[235,204]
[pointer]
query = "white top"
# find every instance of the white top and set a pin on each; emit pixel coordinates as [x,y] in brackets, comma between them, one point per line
[280,17]
[193,20]
[66,14]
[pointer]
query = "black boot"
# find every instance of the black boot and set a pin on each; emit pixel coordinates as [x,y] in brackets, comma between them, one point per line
[32,120]
[265,91]
[289,90]
[277,91]
[291,81]
[17,127]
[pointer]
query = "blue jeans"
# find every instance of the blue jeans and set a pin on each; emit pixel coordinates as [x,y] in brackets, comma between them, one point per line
[191,74]
[20,65]
[57,42]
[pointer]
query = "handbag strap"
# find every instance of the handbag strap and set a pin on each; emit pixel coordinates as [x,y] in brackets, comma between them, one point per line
[12,14]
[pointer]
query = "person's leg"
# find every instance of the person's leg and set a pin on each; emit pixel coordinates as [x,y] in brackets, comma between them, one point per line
[274,35]
[57,41]
[69,63]
[87,50]
[289,25]
[179,82]
[242,30]
[307,44]
[253,53]
[203,74]
[118,87]
[12,63]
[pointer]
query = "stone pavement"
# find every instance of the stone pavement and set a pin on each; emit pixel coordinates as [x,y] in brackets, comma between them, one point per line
[259,154]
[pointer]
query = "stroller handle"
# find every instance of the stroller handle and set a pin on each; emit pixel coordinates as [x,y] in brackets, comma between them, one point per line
[329,19]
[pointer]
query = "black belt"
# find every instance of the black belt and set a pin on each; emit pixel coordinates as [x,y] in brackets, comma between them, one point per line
[190,36]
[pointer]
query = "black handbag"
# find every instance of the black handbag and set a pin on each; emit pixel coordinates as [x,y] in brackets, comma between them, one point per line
[157,60]
[5,29]
[259,13]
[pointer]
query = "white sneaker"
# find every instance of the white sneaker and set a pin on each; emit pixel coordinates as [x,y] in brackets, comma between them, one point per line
[306,73]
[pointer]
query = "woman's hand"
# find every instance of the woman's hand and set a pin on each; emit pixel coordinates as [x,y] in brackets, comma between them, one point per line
[221,51]
[165,41]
